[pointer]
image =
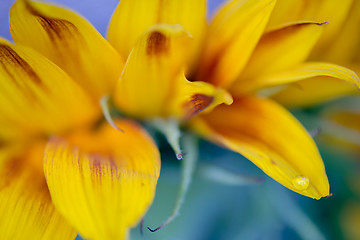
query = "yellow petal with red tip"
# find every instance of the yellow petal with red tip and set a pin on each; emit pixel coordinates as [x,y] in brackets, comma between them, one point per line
[103,181]
[25,205]
[278,50]
[153,82]
[132,18]
[332,11]
[230,40]
[270,137]
[36,96]
[312,83]
[69,41]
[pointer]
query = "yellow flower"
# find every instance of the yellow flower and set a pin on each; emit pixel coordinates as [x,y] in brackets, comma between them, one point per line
[236,53]
[168,63]
[62,171]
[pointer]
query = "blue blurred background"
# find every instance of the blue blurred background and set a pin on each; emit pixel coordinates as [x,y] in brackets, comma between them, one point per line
[217,211]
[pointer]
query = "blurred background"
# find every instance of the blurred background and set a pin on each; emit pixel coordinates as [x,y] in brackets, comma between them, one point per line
[230,198]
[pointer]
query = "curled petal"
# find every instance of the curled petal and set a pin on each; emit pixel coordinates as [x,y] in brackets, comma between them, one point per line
[36,96]
[272,139]
[332,11]
[103,181]
[70,42]
[278,50]
[153,81]
[312,83]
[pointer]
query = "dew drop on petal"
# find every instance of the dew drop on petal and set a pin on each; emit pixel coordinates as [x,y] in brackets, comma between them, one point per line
[301,183]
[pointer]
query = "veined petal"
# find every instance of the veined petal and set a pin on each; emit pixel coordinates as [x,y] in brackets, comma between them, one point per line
[133,17]
[153,81]
[69,41]
[332,11]
[271,138]
[25,205]
[230,40]
[278,50]
[312,83]
[103,181]
[36,96]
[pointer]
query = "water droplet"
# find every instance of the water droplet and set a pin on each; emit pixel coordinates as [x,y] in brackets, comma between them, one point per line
[301,183]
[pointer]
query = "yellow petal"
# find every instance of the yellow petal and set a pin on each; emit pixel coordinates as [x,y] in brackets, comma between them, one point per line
[332,11]
[271,138]
[38,97]
[195,97]
[312,83]
[70,42]
[25,205]
[153,81]
[132,18]
[230,40]
[103,181]
[278,50]
[345,46]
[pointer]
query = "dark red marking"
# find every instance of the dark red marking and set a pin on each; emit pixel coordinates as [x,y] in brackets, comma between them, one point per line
[198,103]
[157,43]
[10,59]
[55,28]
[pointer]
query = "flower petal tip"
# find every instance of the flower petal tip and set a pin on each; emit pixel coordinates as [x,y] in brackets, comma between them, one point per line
[328,195]
[323,23]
